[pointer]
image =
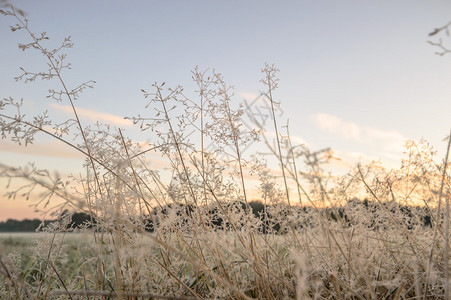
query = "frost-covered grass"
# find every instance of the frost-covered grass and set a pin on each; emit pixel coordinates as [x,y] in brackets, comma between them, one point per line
[187,231]
[366,264]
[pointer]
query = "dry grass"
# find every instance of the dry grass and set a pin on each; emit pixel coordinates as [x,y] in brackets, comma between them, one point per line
[351,250]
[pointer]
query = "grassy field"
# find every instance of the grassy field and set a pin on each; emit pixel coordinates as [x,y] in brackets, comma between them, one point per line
[365,264]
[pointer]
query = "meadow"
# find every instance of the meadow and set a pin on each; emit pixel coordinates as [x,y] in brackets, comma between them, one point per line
[327,244]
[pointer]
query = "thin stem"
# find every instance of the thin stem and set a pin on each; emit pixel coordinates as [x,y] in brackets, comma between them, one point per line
[74,147]
[437,224]
[270,88]
[66,91]
[179,152]
[14,281]
[295,172]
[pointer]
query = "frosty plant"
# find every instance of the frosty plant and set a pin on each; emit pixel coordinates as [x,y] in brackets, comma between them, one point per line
[193,228]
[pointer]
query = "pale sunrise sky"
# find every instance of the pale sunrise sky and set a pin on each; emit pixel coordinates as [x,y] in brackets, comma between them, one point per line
[356,76]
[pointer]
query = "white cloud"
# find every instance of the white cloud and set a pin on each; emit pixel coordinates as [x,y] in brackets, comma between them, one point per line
[347,160]
[387,140]
[333,124]
[50,149]
[248,95]
[94,115]
[297,140]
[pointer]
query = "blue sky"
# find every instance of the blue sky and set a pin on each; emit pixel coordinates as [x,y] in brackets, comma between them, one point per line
[357,76]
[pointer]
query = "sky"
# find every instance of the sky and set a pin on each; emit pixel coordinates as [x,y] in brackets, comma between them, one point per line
[356,76]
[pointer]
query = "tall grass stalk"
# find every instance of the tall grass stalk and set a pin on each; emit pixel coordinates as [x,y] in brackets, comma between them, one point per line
[436,229]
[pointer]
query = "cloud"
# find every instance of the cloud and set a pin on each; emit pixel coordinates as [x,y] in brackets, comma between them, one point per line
[388,140]
[94,115]
[297,140]
[333,124]
[50,149]
[248,95]
[351,158]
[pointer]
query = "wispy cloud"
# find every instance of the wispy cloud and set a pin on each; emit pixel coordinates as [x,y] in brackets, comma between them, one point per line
[295,139]
[333,124]
[50,149]
[387,140]
[248,95]
[349,159]
[94,115]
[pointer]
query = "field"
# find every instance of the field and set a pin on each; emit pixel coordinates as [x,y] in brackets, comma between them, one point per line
[184,226]
[366,264]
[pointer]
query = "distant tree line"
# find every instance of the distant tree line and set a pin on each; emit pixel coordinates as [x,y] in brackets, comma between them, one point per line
[26,225]
[274,218]
[78,219]
[268,219]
